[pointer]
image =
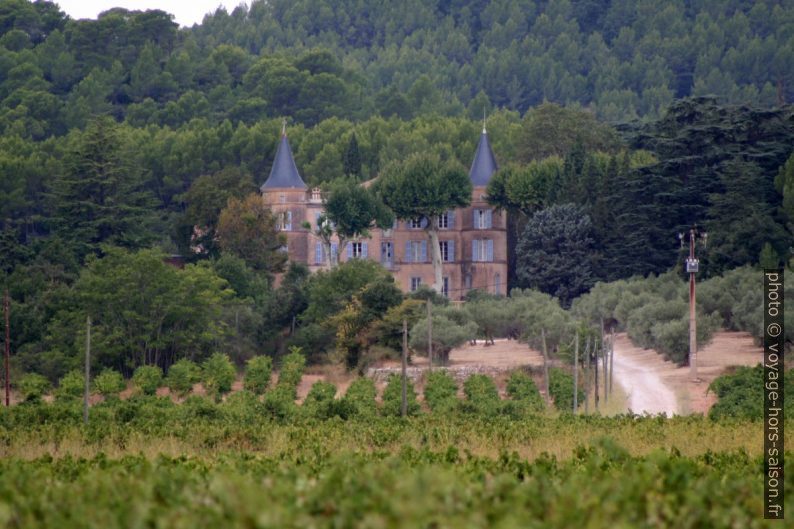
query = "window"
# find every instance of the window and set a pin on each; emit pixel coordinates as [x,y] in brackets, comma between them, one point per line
[447,220]
[445,286]
[282,198]
[482,250]
[356,250]
[467,281]
[415,283]
[386,254]
[417,224]
[447,251]
[483,219]
[334,251]
[415,251]
[497,283]
[319,254]
[286,221]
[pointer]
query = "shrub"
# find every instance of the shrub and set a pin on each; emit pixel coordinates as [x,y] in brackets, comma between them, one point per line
[279,403]
[147,379]
[561,389]
[521,387]
[218,374]
[257,374]
[109,383]
[481,395]
[181,376]
[291,371]
[71,386]
[359,398]
[33,386]
[741,394]
[441,392]
[320,402]
[392,397]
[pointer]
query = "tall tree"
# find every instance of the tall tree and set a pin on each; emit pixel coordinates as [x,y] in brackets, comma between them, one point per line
[556,252]
[423,187]
[247,228]
[100,198]
[352,158]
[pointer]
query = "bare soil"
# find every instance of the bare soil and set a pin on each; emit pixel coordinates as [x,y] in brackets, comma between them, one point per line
[726,350]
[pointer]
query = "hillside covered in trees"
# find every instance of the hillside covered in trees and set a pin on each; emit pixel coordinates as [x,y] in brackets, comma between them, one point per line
[616,124]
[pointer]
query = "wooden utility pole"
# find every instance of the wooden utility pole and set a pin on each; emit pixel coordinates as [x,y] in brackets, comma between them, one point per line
[404,403]
[545,366]
[595,373]
[429,334]
[587,376]
[576,373]
[7,310]
[87,368]
[611,360]
[604,360]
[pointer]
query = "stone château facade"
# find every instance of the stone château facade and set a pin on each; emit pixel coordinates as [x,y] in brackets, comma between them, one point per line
[473,239]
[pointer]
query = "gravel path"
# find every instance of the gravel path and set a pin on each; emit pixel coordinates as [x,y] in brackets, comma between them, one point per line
[644,388]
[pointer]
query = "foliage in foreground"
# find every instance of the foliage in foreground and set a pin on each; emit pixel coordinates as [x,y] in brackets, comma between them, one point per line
[600,486]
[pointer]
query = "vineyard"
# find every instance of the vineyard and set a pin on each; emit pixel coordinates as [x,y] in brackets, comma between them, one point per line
[202,464]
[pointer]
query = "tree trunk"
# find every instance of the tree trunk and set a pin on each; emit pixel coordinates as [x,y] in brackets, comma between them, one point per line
[435,255]
[329,264]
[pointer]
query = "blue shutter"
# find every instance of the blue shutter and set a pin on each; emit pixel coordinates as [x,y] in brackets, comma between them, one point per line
[423,223]
[474,219]
[489,250]
[289,221]
[364,249]
[349,250]
[489,218]
[451,250]
[318,253]
[451,218]
[408,257]
[475,246]
[424,252]
[334,250]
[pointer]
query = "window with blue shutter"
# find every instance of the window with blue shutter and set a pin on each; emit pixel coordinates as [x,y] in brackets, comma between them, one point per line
[475,223]
[475,250]
[409,258]
[451,218]
[334,250]
[318,253]
[489,250]
[488,219]
[424,252]
[451,250]
[364,249]
[349,250]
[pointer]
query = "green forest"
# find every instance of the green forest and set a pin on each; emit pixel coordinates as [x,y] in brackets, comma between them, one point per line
[616,124]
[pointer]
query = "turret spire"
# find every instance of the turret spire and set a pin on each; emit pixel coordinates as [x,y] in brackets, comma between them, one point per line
[284,173]
[484,164]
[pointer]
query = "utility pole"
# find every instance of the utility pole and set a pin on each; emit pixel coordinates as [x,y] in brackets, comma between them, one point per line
[86,393]
[692,264]
[545,366]
[7,310]
[611,360]
[595,373]
[604,361]
[587,376]
[430,334]
[404,403]
[576,373]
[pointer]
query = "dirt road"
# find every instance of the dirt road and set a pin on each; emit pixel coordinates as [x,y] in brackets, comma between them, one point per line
[645,390]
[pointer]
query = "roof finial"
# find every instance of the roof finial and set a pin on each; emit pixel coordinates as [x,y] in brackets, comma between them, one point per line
[483,120]
[284,127]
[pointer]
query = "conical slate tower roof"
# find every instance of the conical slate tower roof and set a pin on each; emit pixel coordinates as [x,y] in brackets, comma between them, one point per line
[484,164]
[284,173]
